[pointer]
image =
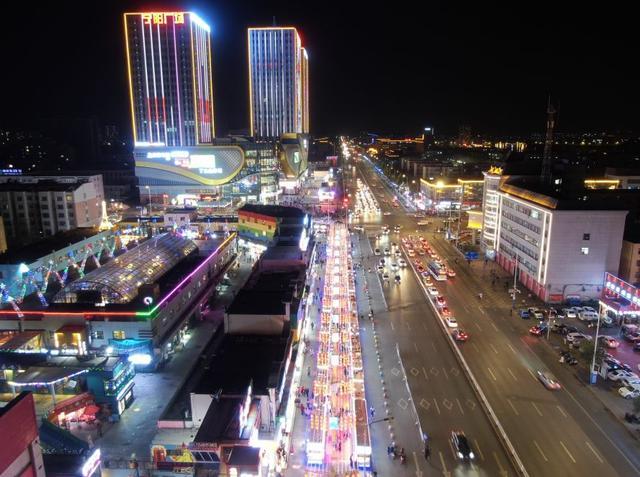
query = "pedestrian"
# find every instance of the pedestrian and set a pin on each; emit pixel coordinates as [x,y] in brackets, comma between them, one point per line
[372,411]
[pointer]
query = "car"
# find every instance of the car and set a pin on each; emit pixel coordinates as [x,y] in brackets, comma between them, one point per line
[420,268]
[536,313]
[578,337]
[548,380]
[402,263]
[433,291]
[376,251]
[394,266]
[620,374]
[382,261]
[609,341]
[380,269]
[570,312]
[461,445]
[589,309]
[385,276]
[629,392]
[459,335]
[387,251]
[420,252]
[524,314]
[398,253]
[636,346]
[427,280]
[445,311]
[538,330]
[397,279]
[440,301]
[451,321]
[632,337]
[588,316]
[386,213]
[450,273]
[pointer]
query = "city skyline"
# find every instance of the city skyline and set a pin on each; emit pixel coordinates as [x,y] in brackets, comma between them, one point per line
[490,70]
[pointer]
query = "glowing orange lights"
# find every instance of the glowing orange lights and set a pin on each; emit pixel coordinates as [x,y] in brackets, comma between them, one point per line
[160,18]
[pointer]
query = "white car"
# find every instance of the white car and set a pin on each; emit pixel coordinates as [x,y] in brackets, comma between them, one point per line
[577,337]
[451,322]
[387,251]
[385,276]
[433,291]
[386,213]
[402,263]
[394,266]
[629,392]
[620,374]
[376,251]
[570,312]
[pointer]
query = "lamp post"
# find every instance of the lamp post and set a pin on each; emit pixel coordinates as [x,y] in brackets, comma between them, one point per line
[593,376]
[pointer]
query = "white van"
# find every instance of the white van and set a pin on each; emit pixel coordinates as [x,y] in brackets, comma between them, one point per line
[588,316]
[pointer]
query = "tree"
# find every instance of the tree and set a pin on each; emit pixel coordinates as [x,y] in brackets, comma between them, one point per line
[586,351]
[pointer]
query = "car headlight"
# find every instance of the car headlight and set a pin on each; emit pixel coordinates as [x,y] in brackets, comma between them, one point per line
[471,455]
[460,455]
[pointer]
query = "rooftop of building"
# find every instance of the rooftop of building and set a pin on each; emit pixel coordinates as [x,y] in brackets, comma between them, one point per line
[41,183]
[569,196]
[282,252]
[32,252]
[119,280]
[280,211]
[221,423]
[622,172]
[244,359]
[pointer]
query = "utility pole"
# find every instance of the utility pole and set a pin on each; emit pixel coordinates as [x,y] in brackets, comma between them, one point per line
[515,282]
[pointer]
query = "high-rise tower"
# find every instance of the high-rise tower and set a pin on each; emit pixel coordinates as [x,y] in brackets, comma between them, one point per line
[278,82]
[170,78]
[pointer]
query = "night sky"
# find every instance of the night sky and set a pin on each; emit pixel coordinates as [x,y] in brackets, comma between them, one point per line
[390,69]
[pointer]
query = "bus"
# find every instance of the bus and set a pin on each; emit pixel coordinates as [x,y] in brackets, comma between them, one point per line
[437,271]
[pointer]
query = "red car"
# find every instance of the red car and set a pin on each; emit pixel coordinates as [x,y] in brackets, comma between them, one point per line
[445,311]
[459,335]
[537,330]
[420,268]
[440,301]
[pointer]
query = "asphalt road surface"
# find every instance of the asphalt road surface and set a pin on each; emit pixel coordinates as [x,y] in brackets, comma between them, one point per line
[561,433]
[443,398]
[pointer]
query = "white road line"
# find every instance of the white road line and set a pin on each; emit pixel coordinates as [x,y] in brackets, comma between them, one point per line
[475,441]
[424,325]
[477,326]
[408,325]
[444,467]
[537,409]
[493,348]
[494,326]
[532,375]
[393,328]
[460,406]
[415,345]
[567,451]
[513,407]
[501,469]
[512,375]
[492,375]
[594,452]
[446,375]
[511,348]
[434,347]
[475,346]
[426,376]
[562,411]
[437,407]
[481,310]
[540,450]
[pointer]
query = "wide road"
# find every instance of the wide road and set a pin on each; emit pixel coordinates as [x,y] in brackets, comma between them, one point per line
[443,398]
[561,433]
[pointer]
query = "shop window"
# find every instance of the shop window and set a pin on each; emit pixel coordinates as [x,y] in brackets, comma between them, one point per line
[118,334]
[97,335]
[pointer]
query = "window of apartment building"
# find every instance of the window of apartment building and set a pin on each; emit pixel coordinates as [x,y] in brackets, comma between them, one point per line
[43,198]
[584,250]
[586,236]
[118,334]
[60,207]
[69,198]
[97,335]
[61,215]
[19,198]
[59,199]
[45,215]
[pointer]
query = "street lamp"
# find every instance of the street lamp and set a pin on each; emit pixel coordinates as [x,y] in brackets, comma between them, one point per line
[592,377]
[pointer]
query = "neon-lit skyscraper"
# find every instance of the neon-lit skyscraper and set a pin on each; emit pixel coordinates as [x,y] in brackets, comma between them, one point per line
[170,78]
[278,82]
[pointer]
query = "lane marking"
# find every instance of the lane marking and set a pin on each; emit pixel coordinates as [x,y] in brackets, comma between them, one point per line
[408,326]
[493,348]
[532,375]
[460,406]
[492,375]
[475,441]
[446,375]
[536,408]
[424,325]
[494,326]
[444,467]
[511,348]
[513,407]
[540,450]
[393,328]
[567,451]
[415,345]
[562,411]
[512,375]
[437,407]
[475,346]
[434,347]
[481,310]
[426,376]
[594,452]
[477,326]
[502,470]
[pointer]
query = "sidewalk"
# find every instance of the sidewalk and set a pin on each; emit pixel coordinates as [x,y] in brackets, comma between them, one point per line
[133,434]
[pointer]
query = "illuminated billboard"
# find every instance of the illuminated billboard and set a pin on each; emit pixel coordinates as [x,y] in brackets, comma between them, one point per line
[294,151]
[203,165]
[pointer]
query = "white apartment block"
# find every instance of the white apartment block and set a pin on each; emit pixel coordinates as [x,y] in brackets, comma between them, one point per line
[562,249]
[490,211]
[38,206]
